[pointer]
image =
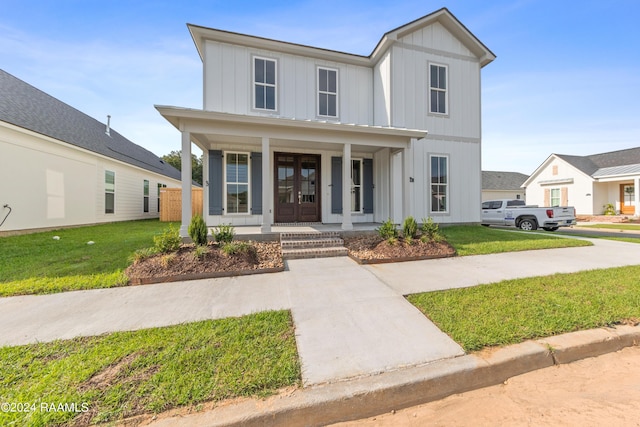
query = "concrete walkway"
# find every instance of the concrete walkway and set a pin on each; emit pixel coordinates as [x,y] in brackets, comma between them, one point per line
[350,320]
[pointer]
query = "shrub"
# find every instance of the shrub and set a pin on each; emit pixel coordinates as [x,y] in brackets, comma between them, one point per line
[233,248]
[223,233]
[200,251]
[430,231]
[168,241]
[142,254]
[198,230]
[409,228]
[167,259]
[387,230]
[609,209]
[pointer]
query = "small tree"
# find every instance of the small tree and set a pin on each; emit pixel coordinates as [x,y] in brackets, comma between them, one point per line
[198,230]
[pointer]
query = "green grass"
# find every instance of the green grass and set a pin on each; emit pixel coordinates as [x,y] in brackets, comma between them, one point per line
[478,240]
[512,311]
[127,373]
[635,227]
[38,264]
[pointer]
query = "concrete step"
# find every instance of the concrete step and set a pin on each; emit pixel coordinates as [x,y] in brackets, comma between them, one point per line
[297,245]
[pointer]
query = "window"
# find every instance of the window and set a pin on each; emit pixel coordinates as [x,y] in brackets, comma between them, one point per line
[327,92]
[160,187]
[439,183]
[356,185]
[264,81]
[438,89]
[109,192]
[555,197]
[145,198]
[237,183]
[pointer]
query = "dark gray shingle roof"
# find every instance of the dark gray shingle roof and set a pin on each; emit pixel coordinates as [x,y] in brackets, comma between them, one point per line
[590,164]
[30,108]
[495,180]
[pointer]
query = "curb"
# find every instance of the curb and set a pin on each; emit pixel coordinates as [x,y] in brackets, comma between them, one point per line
[394,390]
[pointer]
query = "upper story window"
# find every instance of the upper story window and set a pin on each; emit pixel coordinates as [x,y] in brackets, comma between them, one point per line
[327,92]
[264,82]
[438,89]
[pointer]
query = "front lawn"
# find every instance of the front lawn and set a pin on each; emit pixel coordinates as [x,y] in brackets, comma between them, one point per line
[512,311]
[122,374]
[38,263]
[477,240]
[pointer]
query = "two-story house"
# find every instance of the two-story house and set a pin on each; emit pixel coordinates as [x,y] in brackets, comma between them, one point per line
[294,133]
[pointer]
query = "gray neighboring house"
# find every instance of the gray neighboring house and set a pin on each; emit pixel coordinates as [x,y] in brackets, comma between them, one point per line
[60,167]
[502,185]
[588,182]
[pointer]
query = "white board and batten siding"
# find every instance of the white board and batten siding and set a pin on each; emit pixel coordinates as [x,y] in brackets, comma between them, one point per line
[228,84]
[65,185]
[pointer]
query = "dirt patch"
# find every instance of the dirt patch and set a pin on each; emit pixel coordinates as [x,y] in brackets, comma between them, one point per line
[260,256]
[372,249]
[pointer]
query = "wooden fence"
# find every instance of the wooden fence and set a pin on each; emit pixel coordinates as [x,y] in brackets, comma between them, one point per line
[171,203]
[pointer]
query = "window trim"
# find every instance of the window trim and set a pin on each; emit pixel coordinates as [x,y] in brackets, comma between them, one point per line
[361,186]
[447,185]
[254,83]
[106,191]
[445,90]
[225,211]
[319,92]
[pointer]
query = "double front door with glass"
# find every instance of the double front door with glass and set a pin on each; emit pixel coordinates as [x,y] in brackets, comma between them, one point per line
[297,187]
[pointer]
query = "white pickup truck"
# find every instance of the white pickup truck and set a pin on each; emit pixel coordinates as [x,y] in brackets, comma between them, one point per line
[515,213]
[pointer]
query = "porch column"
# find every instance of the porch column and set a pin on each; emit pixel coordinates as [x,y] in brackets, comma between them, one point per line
[636,192]
[266,187]
[346,188]
[186,183]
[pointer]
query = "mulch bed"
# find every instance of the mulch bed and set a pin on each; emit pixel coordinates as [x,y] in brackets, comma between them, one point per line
[183,265]
[372,249]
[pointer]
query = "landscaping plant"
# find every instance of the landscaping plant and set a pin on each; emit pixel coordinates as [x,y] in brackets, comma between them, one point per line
[409,229]
[168,241]
[198,230]
[431,231]
[224,233]
[388,231]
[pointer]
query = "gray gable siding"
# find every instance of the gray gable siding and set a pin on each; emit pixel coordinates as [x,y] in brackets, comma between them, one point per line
[27,107]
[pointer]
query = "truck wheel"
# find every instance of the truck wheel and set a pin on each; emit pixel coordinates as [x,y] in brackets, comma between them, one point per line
[550,228]
[528,224]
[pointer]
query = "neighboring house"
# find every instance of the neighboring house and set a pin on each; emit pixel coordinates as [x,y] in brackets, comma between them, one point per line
[294,133]
[60,167]
[502,185]
[588,182]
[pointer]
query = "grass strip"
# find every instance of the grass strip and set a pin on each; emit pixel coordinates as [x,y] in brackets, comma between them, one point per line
[127,373]
[477,240]
[512,311]
[634,227]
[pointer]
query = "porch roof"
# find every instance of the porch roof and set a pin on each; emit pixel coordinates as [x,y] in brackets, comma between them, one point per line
[210,127]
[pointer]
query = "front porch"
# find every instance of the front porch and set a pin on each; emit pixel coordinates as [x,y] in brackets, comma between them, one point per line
[254,232]
[252,165]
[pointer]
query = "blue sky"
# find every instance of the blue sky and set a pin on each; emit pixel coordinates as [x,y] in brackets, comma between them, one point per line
[566,79]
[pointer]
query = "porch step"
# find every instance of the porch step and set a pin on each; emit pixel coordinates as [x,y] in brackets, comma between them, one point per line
[297,245]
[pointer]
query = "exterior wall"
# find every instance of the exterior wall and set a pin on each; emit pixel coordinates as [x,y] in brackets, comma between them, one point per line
[502,194]
[577,185]
[325,182]
[410,84]
[382,91]
[228,84]
[52,184]
[464,195]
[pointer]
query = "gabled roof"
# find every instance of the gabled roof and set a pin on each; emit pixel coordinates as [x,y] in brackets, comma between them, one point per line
[595,162]
[498,180]
[27,107]
[443,16]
